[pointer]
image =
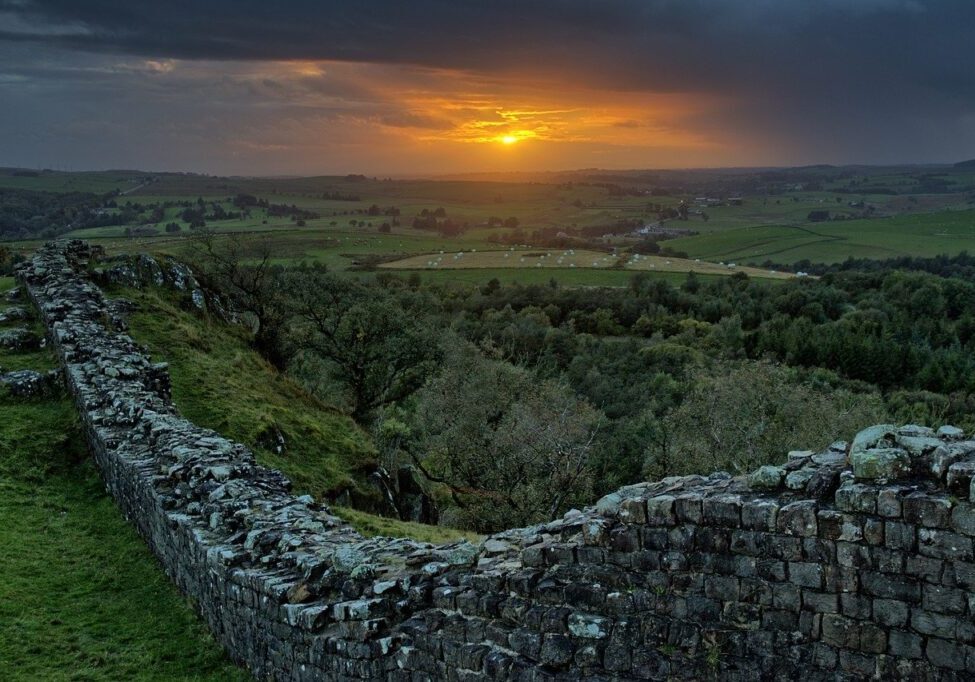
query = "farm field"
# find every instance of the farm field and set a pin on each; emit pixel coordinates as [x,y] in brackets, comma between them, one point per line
[929,234]
[88,181]
[569,259]
[366,225]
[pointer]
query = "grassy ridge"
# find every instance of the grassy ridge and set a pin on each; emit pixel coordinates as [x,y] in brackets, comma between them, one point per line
[221,383]
[81,598]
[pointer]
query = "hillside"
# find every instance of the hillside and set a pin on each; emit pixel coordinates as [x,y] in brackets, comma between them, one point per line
[77,576]
[220,382]
[665,573]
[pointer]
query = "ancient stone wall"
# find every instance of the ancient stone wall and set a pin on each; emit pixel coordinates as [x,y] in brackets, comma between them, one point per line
[845,564]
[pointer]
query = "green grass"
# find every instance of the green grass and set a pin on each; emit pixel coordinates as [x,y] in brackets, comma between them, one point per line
[219,382]
[577,277]
[922,234]
[81,596]
[371,525]
[99,182]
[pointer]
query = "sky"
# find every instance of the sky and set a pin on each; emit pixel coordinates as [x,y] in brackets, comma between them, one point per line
[395,87]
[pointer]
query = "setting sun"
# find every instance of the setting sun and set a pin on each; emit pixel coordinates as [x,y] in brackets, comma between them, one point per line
[508,139]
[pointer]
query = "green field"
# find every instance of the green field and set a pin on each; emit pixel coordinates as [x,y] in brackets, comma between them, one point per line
[99,182]
[876,213]
[571,259]
[929,234]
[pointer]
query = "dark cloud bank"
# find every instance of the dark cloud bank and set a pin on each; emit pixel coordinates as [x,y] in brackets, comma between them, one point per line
[855,80]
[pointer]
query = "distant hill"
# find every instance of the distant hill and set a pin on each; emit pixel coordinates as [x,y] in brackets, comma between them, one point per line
[965,165]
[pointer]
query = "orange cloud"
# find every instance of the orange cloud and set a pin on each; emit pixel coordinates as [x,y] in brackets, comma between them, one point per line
[395,116]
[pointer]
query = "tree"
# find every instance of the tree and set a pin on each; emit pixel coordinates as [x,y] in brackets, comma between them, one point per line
[378,348]
[745,415]
[509,447]
[243,272]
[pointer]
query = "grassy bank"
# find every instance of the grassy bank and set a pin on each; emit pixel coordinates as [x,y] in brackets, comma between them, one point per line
[221,383]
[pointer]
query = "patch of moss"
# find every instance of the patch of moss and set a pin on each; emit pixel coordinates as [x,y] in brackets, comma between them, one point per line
[371,525]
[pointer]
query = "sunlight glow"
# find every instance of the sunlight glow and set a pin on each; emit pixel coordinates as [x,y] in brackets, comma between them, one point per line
[508,139]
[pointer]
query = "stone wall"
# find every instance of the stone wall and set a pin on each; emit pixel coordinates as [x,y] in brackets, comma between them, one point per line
[845,564]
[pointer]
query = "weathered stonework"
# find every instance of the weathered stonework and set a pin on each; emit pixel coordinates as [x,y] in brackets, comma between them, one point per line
[809,570]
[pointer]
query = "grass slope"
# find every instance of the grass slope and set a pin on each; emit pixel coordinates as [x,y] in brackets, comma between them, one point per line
[81,596]
[221,383]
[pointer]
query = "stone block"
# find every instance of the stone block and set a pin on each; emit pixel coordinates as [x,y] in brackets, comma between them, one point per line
[881,464]
[948,454]
[944,599]
[880,435]
[722,510]
[889,501]
[855,497]
[904,644]
[633,510]
[687,508]
[946,654]
[888,586]
[959,477]
[927,510]
[899,535]
[891,613]
[805,574]
[587,626]
[798,518]
[840,632]
[949,432]
[820,602]
[759,514]
[944,544]
[722,588]
[556,651]
[933,624]
[767,477]
[660,511]
[924,568]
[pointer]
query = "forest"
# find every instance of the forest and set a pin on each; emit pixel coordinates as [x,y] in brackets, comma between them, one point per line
[514,403]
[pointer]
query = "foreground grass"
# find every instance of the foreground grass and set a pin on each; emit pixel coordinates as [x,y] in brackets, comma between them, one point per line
[81,596]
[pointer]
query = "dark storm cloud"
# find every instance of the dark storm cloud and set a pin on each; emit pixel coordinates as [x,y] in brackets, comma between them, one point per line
[870,80]
[661,44]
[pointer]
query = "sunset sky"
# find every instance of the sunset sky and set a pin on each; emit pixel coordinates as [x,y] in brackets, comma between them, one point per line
[389,87]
